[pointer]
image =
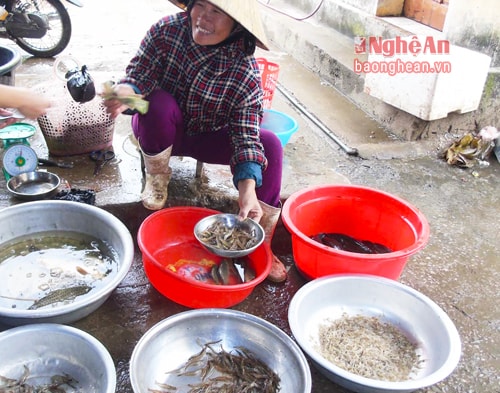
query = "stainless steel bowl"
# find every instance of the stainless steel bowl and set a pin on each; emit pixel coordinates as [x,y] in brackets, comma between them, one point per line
[37,217]
[230,221]
[48,350]
[34,185]
[419,317]
[171,342]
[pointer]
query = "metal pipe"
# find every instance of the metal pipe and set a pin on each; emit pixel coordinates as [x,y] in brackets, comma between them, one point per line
[316,9]
[349,150]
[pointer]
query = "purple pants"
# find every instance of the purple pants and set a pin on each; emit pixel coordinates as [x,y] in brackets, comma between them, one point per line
[163,126]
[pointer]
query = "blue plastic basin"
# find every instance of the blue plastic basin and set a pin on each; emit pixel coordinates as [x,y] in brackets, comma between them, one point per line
[281,124]
[9,60]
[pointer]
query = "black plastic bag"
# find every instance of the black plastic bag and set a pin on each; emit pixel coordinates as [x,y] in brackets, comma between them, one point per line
[76,195]
[80,85]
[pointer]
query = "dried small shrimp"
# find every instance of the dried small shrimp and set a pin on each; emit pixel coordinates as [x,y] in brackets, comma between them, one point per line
[368,347]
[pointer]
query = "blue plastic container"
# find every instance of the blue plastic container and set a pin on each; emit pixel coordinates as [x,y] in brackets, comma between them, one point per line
[281,124]
[9,60]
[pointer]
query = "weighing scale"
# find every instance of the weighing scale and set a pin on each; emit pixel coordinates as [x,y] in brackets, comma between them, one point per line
[18,157]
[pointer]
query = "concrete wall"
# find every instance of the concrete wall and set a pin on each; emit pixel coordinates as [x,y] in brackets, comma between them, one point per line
[368,6]
[473,25]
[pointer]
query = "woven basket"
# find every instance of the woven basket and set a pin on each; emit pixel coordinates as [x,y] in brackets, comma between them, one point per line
[71,128]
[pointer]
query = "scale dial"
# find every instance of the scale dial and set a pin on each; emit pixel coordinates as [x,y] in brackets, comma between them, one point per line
[19,159]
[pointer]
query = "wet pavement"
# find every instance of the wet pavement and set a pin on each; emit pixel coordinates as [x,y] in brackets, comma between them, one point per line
[459,268]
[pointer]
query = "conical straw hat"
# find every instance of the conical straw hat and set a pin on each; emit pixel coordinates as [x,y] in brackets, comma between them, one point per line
[245,12]
[180,3]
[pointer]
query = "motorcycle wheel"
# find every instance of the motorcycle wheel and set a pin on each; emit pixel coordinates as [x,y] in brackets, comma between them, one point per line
[59,27]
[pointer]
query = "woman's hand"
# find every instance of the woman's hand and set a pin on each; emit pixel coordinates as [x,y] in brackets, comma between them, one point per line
[29,103]
[6,122]
[113,106]
[247,200]
[34,105]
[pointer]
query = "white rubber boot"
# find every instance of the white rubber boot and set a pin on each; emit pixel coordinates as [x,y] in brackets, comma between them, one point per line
[268,222]
[158,174]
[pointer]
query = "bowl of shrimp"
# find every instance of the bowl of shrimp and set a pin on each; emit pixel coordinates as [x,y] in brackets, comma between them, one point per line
[51,357]
[227,235]
[372,334]
[218,350]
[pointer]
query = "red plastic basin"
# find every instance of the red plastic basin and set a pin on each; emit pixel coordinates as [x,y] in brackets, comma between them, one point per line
[166,236]
[360,212]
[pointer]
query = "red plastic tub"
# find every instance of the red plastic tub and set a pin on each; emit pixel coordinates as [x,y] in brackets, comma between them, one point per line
[360,212]
[166,236]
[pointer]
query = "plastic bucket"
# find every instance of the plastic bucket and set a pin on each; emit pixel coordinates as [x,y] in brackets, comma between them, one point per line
[360,212]
[281,124]
[269,74]
[9,60]
[167,236]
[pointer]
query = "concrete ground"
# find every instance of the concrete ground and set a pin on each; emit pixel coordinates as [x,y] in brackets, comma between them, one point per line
[458,269]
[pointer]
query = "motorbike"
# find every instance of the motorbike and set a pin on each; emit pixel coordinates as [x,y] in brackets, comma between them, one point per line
[40,27]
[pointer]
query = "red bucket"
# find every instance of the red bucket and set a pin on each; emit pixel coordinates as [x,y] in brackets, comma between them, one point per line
[167,236]
[362,213]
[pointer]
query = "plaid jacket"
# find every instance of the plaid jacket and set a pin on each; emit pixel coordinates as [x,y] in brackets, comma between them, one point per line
[215,87]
